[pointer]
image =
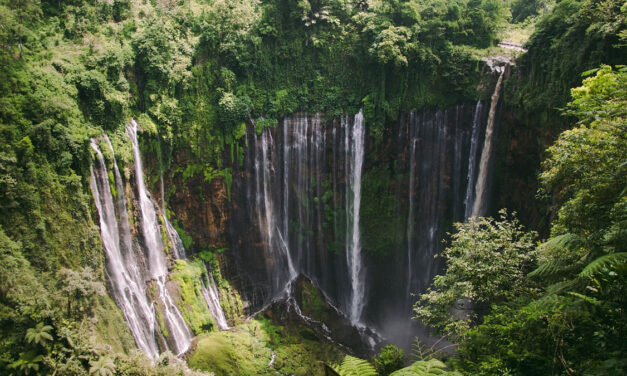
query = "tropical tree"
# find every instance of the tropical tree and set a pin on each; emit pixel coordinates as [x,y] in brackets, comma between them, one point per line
[39,335]
[104,366]
[28,362]
[486,263]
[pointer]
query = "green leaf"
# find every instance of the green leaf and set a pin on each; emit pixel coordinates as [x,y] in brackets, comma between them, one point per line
[425,368]
[352,366]
[604,262]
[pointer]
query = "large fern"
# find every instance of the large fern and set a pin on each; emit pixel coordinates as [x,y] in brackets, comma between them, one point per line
[604,262]
[352,366]
[551,268]
[430,367]
[563,264]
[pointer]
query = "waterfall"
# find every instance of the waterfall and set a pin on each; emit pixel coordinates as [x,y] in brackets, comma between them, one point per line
[480,205]
[472,160]
[286,184]
[303,180]
[292,205]
[410,212]
[210,294]
[178,330]
[128,254]
[127,288]
[275,243]
[175,239]
[354,145]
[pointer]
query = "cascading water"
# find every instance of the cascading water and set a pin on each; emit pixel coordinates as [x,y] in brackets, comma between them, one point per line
[209,290]
[354,143]
[410,212]
[432,138]
[179,332]
[128,288]
[305,199]
[480,205]
[175,239]
[290,207]
[472,160]
[266,214]
[130,258]
[210,294]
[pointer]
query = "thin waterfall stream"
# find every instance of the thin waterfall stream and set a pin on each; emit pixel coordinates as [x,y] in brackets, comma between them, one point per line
[472,160]
[481,189]
[157,263]
[354,146]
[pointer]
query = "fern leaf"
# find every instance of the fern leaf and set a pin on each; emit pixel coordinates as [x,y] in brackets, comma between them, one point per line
[550,268]
[431,367]
[562,243]
[604,262]
[563,286]
[587,299]
[352,366]
[565,241]
[549,302]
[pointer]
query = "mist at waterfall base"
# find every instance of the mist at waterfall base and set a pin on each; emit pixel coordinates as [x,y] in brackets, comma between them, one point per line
[301,184]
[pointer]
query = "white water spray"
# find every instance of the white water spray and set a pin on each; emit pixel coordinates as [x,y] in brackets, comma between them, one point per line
[354,143]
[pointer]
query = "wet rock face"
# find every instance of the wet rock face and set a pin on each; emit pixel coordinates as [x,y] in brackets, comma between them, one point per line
[308,307]
[203,209]
[520,151]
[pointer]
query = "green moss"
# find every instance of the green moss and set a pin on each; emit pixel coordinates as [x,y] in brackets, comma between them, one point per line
[230,301]
[161,321]
[188,276]
[110,327]
[165,239]
[186,239]
[313,303]
[241,351]
[147,124]
[247,350]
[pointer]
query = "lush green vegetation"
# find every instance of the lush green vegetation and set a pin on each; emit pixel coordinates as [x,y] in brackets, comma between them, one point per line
[352,366]
[192,72]
[574,37]
[260,347]
[557,306]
